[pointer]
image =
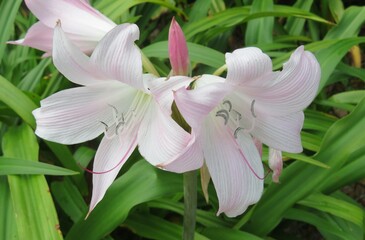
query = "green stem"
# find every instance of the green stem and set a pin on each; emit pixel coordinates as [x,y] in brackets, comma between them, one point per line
[190,202]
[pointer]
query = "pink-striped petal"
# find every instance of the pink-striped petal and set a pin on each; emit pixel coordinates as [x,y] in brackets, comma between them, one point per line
[290,90]
[195,105]
[247,64]
[72,62]
[110,157]
[281,133]
[162,89]
[39,36]
[77,115]
[161,140]
[77,17]
[118,56]
[233,167]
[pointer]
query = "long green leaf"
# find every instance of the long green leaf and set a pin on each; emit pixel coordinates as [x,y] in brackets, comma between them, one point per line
[17,100]
[33,205]
[153,227]
[8,11]
[226,233]
[8,228]
[294,25]
[260,31]
[298,180]
[19,166]
[335,207]
[141,183]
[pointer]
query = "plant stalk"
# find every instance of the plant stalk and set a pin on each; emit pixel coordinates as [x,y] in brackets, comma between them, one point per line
[190,202]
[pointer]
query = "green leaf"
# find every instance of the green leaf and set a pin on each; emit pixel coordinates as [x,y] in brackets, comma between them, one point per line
[17,101]
[294,25]
[260,31]
[36,216]
[227,233]
[352,97]
[19,166]
[141,183]
[350,24]
[70,199]
[8,10]
[8,228]
[115,8]
[335,207]
[153,227]
[298,180]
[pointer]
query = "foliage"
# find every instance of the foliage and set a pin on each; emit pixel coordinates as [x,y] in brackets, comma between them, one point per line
[145,202]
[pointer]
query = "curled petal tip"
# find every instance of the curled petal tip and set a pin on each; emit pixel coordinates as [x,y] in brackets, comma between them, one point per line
[178,50]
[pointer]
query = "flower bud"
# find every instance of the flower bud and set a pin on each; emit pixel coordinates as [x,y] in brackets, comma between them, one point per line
[178,50]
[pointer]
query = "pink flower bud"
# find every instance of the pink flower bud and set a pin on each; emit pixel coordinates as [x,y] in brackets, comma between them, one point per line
[275,163]
[178,50]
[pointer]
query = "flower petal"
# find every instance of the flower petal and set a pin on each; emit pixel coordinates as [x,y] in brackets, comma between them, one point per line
[39,36]
[119,57]
[162,88]
[247,64]
[79,114]
[281,133]
[275,163]
[77,17]
[291,90]
[195,105]
[72,62]
[172,141]
[235,180]
[112,154]
[188,159]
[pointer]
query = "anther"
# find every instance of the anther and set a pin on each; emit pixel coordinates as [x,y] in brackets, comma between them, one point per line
[224,114]
[239,115]
[106,125]
[229,105]
[236,131]
[252,108]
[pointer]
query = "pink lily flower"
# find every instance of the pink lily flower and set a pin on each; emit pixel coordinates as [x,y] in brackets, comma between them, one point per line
[115,98]
[230,117]
[178,50]
[83,24]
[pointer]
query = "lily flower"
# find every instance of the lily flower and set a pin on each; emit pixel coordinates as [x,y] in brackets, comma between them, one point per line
[178,50]
[83,24]
[231,117]
[116,99]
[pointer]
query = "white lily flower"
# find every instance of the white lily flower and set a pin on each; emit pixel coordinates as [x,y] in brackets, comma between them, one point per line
[83,24]
[230,117]
[116,98]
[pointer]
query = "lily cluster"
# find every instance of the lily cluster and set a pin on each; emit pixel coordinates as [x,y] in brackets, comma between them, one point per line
[230,118]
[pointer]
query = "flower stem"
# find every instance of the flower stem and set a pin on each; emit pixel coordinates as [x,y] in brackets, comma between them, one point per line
[190,202]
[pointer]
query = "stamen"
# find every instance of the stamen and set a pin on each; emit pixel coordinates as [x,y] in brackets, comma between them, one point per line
[118,126]
[251,168]
[224,114]
[236,131]
[252,108]
[239,115]
[229,105]
[106,125]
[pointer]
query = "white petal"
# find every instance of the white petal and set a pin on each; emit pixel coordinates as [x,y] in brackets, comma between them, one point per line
[111,154]
[119,57]
[39,36]
[77,17]
[195,105]
[163,88]
[76,115]
[189,159]
[247,64]
[161,140]
[290,90]
[235,180]
[281,133]
[72,62]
